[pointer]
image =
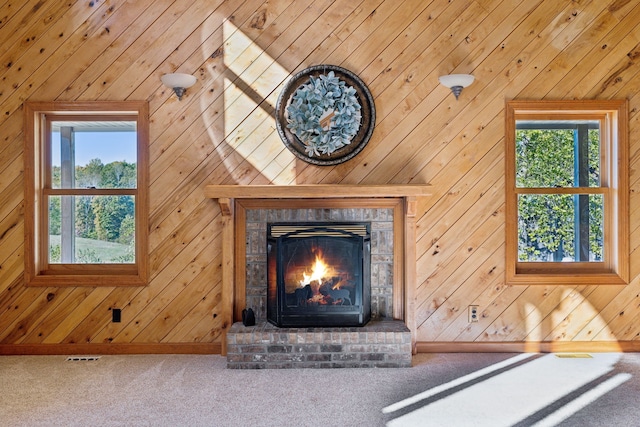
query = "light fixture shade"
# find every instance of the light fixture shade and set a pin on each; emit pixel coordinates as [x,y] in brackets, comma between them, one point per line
[456,82]
[452,80]
[182,80]
[179,82]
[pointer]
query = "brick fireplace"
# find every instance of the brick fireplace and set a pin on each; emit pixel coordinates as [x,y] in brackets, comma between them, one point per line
[387,340]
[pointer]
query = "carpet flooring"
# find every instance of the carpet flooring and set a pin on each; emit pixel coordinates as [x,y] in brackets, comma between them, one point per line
[598,389]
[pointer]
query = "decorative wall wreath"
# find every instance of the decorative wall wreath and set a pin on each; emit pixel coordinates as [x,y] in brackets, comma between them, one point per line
[325,115]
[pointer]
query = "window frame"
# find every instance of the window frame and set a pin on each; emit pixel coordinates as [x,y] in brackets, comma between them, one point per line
[37,168]
[614,186]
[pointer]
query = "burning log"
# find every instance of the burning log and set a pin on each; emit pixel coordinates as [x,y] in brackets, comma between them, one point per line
[303,295]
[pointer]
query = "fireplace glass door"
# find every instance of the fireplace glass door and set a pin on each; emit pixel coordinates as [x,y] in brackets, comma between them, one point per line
[318,274]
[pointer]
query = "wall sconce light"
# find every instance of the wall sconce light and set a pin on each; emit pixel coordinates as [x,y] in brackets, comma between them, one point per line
[456,82]
[179,82]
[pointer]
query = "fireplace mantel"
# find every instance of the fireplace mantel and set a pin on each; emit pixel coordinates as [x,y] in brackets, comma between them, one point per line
[334,195]
[225,193]
[315,191]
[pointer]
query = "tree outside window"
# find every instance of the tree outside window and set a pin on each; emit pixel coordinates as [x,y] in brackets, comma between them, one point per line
[559,227]
[567,185]
[99,229]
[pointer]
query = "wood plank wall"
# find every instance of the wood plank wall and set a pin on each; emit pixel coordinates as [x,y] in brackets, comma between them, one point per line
[222,132]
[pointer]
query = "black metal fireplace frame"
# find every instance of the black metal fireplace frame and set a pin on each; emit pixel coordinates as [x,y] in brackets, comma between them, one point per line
[282,315]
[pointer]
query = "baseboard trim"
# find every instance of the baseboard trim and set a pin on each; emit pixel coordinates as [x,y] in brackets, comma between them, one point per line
[421,347]
[114,348]
[529,347]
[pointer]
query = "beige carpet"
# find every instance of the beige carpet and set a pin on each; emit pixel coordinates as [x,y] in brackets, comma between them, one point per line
[440,390]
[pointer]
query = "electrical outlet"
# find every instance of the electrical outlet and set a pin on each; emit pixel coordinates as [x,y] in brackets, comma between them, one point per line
[473,313]
[116,315]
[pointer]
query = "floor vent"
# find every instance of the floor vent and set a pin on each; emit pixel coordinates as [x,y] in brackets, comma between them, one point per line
[574,356]
[82,358]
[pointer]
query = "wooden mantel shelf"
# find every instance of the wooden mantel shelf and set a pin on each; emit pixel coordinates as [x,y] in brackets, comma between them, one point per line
[315,191]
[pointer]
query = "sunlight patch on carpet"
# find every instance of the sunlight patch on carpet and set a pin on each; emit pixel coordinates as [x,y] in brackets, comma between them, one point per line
[517,393]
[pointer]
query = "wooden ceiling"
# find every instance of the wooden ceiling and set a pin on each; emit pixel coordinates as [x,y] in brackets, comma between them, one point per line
[223,132]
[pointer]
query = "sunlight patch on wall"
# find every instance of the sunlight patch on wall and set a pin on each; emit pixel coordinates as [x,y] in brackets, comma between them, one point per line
[254,135]
[255,66]
[251,80]
[533,322]
[283,167]
[572,316]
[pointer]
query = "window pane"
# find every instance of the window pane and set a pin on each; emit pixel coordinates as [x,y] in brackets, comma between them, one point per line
[91,229]
[552,226]
[98,154]
[557,154]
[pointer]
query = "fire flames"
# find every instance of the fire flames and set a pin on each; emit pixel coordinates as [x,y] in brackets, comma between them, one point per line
[324,283]
[319,270]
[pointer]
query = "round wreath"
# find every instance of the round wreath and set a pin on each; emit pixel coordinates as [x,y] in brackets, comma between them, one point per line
[324,114]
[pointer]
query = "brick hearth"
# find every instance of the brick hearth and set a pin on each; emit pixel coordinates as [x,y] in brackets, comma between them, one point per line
[379,344]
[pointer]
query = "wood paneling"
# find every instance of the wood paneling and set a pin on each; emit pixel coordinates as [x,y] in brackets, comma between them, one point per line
[223,132]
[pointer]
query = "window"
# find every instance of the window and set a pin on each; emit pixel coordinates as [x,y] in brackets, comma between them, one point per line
[567,192]
[86,193]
